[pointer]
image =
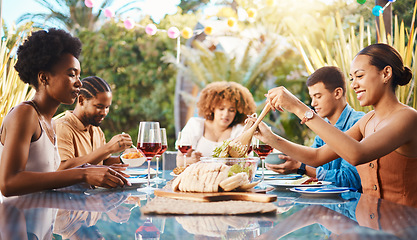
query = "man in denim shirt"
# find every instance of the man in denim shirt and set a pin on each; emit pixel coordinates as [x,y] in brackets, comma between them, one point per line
[327,89]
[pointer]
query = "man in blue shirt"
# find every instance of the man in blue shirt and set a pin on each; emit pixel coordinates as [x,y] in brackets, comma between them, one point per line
[327,89]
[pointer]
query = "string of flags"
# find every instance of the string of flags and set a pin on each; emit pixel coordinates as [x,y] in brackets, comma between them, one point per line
[173,32]
[187,33]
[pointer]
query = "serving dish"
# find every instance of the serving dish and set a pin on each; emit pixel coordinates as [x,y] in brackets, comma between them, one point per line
[134,159]
[273,158]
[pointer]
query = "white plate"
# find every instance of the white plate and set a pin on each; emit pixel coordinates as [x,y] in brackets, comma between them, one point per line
[320,201]
[173,174]
[138,171]
[267,172]
[290,183]
[137,180]
[320,191]
[282,177]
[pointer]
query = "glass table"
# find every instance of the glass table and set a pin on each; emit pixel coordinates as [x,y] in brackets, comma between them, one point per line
[115,214]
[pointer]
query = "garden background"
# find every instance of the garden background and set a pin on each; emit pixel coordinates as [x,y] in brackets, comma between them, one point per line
[260,44]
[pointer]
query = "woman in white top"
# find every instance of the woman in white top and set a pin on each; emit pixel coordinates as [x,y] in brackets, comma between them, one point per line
[47,60]
[223,106]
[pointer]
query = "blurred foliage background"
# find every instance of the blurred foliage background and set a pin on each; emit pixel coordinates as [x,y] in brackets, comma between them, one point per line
[143,71]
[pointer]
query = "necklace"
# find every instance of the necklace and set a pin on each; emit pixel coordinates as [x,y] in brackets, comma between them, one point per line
[376,124]
[47,127]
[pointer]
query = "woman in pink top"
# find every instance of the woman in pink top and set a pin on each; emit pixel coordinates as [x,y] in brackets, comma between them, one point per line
[382,144]
[47,60]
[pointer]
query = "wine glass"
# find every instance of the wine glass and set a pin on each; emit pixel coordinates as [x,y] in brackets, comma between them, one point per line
[262,150]
[149,141]
[184,145]
[164,143]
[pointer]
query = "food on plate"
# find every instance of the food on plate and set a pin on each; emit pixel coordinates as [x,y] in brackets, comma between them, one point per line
[236,168]
[134,159]
[306,180]
[210,177]
[132,155]
[178,170]
[228,146]
[312,181]
[234,181]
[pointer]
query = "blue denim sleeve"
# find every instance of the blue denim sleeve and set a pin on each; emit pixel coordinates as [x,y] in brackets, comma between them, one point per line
[344,176]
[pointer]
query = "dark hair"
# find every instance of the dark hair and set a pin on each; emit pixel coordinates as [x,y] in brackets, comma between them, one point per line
[383,55]
[92,85]
[42,50]
[214,93]
[332,78]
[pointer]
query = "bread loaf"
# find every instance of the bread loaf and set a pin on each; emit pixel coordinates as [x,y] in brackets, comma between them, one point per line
[207,177]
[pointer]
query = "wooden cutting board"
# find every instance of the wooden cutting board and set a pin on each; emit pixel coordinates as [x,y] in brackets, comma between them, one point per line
[218,196]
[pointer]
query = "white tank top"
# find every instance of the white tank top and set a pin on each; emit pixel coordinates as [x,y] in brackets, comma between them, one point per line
[43,155]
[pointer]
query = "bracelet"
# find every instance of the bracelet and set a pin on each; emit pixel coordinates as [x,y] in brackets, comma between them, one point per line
[302,169]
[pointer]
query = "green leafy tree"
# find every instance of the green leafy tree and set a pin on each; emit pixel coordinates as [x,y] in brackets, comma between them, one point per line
[130,60]
[192,5]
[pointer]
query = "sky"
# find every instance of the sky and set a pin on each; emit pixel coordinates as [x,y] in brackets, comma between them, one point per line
[13,9]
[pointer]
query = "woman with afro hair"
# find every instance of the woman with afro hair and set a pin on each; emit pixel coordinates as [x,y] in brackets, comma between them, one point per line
[48,61]
[223,107]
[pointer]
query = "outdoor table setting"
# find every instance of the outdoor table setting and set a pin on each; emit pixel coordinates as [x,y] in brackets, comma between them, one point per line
[109,212]
[218,197]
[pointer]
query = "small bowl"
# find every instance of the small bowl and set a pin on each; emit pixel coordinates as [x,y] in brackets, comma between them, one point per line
[273,158]
[133,162]
[249,163]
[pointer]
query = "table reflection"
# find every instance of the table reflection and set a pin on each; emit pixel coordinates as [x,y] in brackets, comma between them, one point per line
[229,227]
[116,214]
[364,217]
[72,215]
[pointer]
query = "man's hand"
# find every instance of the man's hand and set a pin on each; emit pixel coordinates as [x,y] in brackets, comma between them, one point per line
[119,143]
[289,166]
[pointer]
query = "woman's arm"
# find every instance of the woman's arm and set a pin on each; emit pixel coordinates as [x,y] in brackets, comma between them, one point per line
[310,156]
[20,127]
[397,130]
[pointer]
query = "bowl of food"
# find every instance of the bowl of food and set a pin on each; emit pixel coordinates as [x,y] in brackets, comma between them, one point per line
[273,158]
[237,165]
[134,158]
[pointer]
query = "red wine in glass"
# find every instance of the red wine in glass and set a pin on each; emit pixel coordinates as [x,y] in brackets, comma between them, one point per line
[147,231]
[163,149]
[262,150]
[184,148]
[150,149]
[249,149]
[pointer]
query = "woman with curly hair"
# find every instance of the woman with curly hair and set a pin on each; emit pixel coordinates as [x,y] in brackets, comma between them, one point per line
[223,107]
[47,60]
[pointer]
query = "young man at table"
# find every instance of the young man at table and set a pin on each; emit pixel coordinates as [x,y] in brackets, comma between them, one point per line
[327,89]
[80,139]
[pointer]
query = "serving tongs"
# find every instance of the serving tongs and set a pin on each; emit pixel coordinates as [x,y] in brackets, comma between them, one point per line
[239,146]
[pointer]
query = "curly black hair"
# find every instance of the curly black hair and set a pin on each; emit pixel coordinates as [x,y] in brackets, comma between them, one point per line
[42,50]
